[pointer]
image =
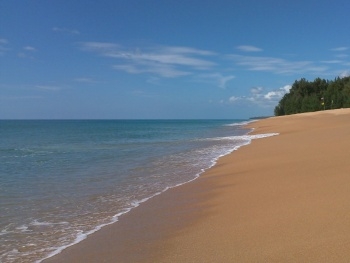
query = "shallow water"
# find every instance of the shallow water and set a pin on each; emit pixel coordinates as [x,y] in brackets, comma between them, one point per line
[62,180]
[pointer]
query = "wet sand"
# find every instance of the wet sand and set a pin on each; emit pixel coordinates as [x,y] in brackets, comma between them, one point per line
[284,198]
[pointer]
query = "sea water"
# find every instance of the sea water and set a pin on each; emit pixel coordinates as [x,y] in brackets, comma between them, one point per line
[61,180]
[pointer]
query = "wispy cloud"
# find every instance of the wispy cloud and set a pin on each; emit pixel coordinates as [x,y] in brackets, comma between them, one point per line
[247,48]
[85,80]
[48,88]
[20,97]
[29,48]
[340,49]
[163,70]
[334,61]
[142,93]
[188,50]
[216,79]
[164,61]
[3,46]
[100,47]
[202,65]
[66,30]
[263,98]
[223,80]
[341,55]
[27,52]
[276,65]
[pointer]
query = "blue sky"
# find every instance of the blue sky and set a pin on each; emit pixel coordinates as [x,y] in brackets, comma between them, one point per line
[164,59]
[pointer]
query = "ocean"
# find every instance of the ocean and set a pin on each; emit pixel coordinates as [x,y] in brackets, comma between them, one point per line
[61,180]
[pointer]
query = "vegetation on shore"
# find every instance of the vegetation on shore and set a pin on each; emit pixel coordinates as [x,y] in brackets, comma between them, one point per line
[320,94]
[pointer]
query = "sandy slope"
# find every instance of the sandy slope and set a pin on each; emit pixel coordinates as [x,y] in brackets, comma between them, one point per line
[284,198]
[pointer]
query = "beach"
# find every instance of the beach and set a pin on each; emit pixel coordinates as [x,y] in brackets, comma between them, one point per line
[284,198]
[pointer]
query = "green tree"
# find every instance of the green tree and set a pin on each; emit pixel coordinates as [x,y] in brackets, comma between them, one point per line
[306,96]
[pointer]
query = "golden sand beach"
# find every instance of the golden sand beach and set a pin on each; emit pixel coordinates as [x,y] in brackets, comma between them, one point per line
[284,198]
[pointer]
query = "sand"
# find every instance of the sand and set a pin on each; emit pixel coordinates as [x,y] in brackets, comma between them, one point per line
[284,198]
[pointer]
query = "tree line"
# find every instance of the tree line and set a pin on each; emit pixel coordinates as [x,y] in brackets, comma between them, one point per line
[320,94]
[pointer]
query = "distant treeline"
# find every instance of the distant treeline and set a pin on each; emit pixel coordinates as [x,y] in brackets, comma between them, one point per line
[320,94]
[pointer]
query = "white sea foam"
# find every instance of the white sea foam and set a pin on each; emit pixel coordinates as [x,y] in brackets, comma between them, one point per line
[22,228]
[5,232]
[242,123]
[37,223]
[240,137]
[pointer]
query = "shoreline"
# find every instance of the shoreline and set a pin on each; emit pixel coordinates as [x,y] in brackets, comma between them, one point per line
[230,200]
[122,214]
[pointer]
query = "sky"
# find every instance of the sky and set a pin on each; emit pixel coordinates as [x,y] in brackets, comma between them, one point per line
[162,59]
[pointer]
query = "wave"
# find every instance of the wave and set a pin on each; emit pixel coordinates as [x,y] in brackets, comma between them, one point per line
[240,137]
[242,123]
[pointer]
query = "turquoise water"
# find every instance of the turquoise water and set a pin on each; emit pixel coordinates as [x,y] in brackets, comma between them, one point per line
[62,180]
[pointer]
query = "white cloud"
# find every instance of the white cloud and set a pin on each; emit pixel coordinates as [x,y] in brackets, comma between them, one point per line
[247,48]
[259,96]
[276,95]
[165,61]
[277,65]
[256,90]
[66,30]
[344,74]
[234,99]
